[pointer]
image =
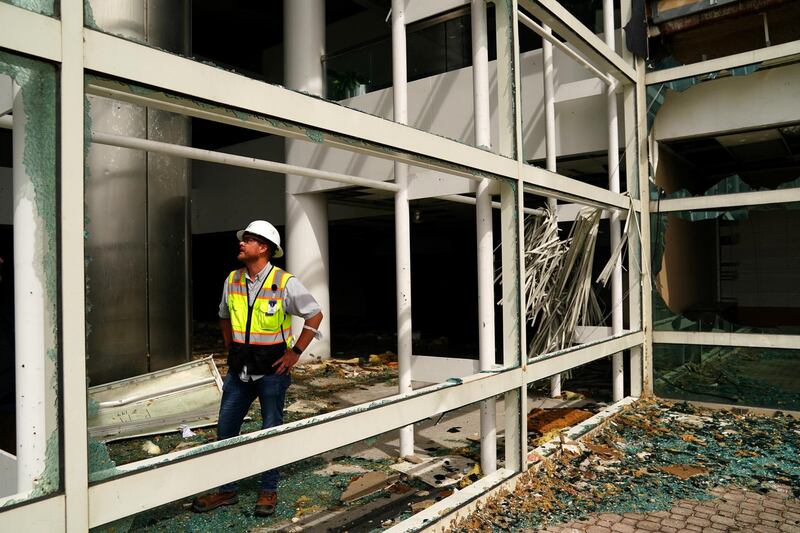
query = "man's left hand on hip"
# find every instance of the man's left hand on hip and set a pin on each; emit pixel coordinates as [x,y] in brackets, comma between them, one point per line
[284,364]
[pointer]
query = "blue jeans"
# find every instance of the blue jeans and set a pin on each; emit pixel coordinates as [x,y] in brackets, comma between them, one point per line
[237,397]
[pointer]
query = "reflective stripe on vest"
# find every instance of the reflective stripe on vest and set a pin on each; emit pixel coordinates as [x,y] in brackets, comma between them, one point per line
[268,322]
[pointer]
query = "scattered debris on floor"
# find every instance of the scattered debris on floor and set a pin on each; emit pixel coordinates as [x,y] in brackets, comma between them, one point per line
[314,385]
[439,472]
[645,459]
[367,484]
[149,448]
[543,422]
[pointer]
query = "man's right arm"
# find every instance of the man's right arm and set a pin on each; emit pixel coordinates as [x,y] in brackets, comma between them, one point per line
[225,317]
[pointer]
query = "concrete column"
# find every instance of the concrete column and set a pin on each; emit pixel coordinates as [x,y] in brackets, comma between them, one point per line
[306,213]
[617,365]
[485,231]
[30,332]
[402,230]
[550,144]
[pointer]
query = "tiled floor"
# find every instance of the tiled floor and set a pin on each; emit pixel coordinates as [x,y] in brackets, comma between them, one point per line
[733,509]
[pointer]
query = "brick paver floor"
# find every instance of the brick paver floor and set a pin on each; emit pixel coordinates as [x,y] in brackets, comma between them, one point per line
[733,509]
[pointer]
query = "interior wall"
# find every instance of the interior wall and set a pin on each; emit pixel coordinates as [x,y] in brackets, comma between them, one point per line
[673,172]
[443,105]
[764,253]
[688,268]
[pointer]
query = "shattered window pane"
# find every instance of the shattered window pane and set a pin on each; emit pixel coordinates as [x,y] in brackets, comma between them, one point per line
[755,160]
[45,7]
[29,351]
[757,377]
[356,487]
[734,270]
[694,31]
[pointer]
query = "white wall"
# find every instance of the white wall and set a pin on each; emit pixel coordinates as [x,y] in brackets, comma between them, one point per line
[443,105]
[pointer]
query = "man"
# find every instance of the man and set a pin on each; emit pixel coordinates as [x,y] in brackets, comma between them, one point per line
[258,302]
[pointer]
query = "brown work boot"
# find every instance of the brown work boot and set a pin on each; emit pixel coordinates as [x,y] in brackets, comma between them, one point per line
[265,505]
[209,502]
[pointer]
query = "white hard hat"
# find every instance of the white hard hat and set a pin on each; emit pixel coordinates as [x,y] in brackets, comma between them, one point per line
[264,229]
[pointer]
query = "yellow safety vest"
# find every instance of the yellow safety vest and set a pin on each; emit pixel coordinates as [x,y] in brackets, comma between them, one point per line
[265,323]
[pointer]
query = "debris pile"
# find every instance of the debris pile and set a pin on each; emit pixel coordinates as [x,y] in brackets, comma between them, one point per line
[649,456]
[543,424]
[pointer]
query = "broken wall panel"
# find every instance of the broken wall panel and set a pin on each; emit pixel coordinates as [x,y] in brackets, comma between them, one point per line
[756,377]
[730,270]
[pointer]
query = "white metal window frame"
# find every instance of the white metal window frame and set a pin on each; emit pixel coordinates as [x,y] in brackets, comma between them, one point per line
[771,53]
[720,338]
[721,201]
[79,50]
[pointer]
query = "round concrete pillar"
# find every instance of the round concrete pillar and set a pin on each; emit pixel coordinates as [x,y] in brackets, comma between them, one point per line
[306,213]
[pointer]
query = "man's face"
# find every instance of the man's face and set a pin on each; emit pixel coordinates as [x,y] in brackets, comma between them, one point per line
[250,248]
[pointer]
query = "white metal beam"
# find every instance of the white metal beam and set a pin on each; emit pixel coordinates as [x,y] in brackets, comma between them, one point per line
[643,175]
[145,65]
[327,121]
[30,33]
[718,338]
[779,196]
[43,515]
[441,514]
[181,474]
[562,22]
[547,365]
[770,53]
[540,181]
[549,37]
[509,144]
[73,281]
[222,158]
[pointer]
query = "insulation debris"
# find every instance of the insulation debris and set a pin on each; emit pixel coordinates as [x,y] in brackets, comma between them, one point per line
[647,458]
[558,276]
[150,448]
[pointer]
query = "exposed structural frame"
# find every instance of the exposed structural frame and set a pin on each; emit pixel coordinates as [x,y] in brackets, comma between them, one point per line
[252,104]
[770,53]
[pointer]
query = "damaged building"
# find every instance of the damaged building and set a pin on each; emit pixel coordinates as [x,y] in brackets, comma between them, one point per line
[492,201]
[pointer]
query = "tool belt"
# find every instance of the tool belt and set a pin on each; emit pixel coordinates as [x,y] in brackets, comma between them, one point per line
[257,359]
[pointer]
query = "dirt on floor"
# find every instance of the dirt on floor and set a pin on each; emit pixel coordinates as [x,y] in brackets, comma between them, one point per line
[645,459]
